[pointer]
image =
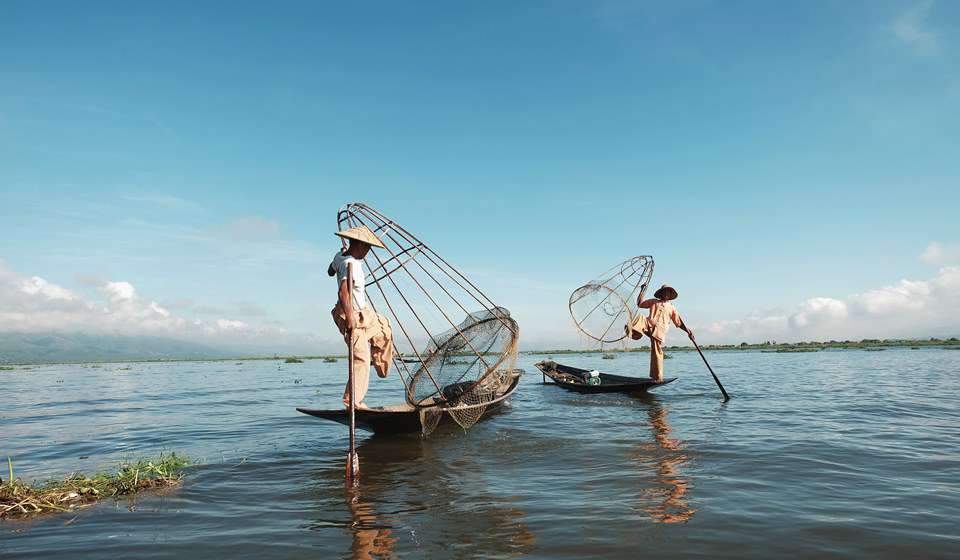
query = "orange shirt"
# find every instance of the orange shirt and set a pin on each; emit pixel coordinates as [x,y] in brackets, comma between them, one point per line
[661,313]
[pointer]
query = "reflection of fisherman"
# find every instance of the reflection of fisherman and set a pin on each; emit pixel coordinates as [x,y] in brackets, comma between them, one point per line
[371,333]
[674,506]
[655,326]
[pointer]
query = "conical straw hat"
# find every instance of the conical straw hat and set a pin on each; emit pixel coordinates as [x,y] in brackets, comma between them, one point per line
[665,292]
[361,233]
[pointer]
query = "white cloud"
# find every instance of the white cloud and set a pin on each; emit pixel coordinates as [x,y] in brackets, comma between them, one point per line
[903,297]
[231,325]
[939,253]
[817,311]
[910,27]
[38,286]
[909,308]
[119,291]
[33,304]
[159,310]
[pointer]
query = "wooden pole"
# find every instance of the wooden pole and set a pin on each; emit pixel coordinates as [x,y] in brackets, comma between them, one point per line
[353,462]
[726,397]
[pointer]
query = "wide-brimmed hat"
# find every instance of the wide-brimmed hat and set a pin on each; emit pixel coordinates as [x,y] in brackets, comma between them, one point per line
[361,233]
[665,292]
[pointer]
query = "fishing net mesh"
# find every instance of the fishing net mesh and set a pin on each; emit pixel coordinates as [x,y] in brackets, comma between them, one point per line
[602,307]
[468,366]
[455,348]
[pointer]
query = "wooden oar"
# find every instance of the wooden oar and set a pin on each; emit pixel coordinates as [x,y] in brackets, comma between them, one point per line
[353,462]
[726,397]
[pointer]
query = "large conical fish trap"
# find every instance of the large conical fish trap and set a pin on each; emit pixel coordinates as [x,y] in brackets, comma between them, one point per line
[602,307]
[455,349]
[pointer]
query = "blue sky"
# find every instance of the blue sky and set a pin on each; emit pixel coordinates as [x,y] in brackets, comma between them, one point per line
[768,155]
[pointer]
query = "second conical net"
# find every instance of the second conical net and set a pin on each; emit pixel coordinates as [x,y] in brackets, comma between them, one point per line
[602,307]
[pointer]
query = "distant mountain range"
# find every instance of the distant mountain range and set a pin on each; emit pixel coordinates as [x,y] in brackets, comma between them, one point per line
[77,347]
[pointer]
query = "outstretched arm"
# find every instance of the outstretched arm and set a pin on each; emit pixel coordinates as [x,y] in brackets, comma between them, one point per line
[678,321]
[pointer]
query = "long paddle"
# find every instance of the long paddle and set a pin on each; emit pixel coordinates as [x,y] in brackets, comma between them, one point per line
[726,397]
[353,462]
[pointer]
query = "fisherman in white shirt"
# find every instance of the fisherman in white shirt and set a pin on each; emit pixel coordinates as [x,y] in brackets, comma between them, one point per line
[371,332]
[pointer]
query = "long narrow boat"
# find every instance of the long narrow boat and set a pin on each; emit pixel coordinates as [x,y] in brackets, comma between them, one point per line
[572,379]
[406,418]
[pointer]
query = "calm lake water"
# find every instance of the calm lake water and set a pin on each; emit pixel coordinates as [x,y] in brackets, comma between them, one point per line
[849,454]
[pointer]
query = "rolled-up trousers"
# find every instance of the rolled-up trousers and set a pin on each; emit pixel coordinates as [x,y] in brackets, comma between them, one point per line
[372,340]
[636,331]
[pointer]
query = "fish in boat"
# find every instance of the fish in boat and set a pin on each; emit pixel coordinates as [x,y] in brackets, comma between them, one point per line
[406,418]
[574,379]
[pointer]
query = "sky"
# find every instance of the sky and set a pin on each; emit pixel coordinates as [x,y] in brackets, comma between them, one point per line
[175,168]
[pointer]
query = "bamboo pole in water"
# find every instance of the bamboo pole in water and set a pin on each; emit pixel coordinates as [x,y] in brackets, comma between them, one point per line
[353,462]
[726,397]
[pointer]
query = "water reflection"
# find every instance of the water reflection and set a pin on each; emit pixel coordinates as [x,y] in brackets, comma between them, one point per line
[372,538]
[667,501]
[423,495]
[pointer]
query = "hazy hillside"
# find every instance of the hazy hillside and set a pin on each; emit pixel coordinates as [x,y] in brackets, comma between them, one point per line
[62,347]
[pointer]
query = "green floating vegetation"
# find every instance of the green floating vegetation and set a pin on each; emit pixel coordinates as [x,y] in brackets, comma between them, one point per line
[796,350]
[329,360]
[293,361]
[18,498]
[667,357]
[7,368]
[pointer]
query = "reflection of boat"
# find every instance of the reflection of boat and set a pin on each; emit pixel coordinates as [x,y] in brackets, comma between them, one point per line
[572,378]
[405,418]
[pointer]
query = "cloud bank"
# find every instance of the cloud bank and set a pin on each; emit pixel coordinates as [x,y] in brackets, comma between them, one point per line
[908,308]
[34,304]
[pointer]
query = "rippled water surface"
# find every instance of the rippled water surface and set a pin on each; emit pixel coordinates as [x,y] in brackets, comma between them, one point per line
[830,454]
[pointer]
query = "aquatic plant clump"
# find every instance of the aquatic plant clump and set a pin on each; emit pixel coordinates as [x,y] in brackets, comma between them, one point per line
[18,498]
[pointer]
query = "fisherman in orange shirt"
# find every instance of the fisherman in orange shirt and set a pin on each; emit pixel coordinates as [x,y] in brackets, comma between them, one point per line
[372,337]
[662,312]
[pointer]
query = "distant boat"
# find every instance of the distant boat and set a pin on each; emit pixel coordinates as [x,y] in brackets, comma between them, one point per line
[573,379]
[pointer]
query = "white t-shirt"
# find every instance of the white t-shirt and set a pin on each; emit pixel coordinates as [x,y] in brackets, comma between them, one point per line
[359,294]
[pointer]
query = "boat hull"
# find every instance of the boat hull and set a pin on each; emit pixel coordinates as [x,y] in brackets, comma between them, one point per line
[569,377]
[401,419]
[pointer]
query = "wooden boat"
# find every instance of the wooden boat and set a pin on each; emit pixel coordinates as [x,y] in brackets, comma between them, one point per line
[405,418]
[572,378]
